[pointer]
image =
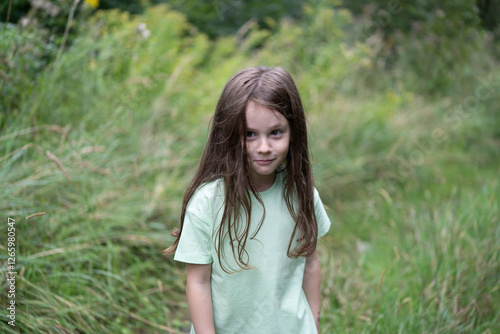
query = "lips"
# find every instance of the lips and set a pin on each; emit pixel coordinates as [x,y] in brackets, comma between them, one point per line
[264,162]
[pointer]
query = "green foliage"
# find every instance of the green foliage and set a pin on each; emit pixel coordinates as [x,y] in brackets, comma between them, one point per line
[429,41]
[224,17]
[131,6]
[27,48]
[105,141]
[406,16]
[23,54]
[214,18]
[13,11]
[489,12]
[50,15]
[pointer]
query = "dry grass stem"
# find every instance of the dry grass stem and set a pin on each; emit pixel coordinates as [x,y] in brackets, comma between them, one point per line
[381,281]
[92,149]
[59,164]
[35,215]
[52,127]
[4,76]
[60,250]
[66,30]
[15,151]
[152,324]
[102,171]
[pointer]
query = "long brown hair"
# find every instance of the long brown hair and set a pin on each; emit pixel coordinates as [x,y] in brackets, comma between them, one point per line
[225,157]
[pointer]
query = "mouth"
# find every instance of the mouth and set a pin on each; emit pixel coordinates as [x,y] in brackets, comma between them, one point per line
[264,162]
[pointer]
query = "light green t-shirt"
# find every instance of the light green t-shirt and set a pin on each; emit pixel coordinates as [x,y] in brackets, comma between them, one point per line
[268,299]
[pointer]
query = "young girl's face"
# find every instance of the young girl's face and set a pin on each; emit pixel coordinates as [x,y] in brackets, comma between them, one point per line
[268,138]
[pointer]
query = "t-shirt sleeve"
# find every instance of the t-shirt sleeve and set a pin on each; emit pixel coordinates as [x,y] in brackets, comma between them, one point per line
[195,242]
[321,215]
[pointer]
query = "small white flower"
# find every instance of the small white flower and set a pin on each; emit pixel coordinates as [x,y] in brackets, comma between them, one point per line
[141,27]
[146,33]
[143,31]
[24,22]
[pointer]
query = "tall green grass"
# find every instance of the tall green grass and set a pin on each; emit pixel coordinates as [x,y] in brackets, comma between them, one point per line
[107,142]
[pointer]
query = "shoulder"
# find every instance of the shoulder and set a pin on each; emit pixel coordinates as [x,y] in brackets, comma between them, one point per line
[316,197]
[316,193]
[209,190]
[206,196]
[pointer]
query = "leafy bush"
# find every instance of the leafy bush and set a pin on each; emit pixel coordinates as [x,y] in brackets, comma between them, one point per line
[106,141]
[24,53]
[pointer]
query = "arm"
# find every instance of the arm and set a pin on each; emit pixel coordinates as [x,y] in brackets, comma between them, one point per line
[199,297]
[312,285]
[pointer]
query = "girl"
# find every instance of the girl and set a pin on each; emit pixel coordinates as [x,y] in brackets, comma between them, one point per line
[251,216]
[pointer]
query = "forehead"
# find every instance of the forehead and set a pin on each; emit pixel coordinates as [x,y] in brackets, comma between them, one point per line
[261,117]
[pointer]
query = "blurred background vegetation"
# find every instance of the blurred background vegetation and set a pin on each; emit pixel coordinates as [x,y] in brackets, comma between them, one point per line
[104,107]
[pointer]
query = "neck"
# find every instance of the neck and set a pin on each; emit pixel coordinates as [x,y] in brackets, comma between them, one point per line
[263,182]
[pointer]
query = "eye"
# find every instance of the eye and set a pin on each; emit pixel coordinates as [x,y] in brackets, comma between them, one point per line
[276,132]
[250,134]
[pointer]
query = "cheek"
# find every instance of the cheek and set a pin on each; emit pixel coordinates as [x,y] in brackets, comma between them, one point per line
[249,147]
[284,148]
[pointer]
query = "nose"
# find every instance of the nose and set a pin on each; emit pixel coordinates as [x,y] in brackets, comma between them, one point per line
[263,146]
